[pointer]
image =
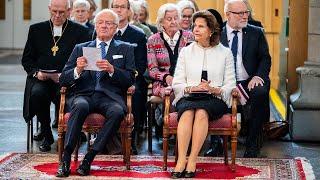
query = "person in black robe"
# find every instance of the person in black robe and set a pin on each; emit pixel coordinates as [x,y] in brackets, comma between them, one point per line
[47,49]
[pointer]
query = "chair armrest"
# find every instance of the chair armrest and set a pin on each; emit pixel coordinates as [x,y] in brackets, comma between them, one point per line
[235,96]
[130,92]
[129,117]
[63,91]
[168,92]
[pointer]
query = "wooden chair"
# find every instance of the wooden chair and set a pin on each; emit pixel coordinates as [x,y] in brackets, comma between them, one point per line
[225,126]
[93,124]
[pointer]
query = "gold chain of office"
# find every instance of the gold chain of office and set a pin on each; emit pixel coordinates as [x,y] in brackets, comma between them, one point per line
[55,48]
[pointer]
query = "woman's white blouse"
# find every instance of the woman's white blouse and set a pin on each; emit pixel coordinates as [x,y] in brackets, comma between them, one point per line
[219,65]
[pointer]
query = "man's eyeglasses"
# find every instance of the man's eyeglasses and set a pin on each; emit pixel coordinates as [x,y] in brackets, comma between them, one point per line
[242,13]
[121,7]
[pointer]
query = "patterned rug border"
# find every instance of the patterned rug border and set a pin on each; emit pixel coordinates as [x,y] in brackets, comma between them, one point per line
[304,168]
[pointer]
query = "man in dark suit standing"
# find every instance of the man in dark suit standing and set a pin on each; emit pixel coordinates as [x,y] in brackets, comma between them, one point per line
[252,65]
[100,91]
[131,34]
[47,49]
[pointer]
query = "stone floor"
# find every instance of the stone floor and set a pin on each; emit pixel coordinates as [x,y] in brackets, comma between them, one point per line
[13,129]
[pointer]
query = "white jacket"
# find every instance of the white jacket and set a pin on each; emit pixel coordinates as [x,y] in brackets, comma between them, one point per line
[220,68]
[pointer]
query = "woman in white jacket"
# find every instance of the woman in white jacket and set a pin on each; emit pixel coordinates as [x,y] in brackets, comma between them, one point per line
[203,80]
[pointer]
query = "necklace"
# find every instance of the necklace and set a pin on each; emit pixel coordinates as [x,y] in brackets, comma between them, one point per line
[55,48]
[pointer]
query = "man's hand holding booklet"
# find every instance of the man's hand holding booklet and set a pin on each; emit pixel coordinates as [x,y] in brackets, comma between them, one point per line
[92,55]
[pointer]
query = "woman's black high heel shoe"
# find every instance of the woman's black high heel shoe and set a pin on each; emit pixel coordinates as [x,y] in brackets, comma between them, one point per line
[190,174]
[177,175]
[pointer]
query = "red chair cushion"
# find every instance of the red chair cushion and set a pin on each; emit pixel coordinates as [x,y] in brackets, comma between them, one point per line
[93,119]
[224,122]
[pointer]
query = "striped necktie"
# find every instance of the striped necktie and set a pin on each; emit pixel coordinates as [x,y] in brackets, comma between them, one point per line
[103,55]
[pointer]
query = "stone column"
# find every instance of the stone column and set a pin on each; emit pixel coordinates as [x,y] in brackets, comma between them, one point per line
[304,112]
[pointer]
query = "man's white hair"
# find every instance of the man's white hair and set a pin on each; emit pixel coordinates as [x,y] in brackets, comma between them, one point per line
[162,12]
[81,3]
[107,11]
[185,4]
[68,3]
[230,2]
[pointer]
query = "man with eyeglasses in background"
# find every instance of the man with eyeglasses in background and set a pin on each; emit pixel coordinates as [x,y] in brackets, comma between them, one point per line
[252,66]
[136,37]
[47,49]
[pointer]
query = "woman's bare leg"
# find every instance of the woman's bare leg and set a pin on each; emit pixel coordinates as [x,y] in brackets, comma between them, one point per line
[184,132]
[199,134]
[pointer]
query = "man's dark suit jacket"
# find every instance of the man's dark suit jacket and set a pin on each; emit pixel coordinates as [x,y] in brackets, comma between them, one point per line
[37,53]
[120,55]
[138,39]
[255,51]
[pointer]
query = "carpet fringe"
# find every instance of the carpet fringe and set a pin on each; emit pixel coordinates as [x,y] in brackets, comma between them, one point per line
[307,168]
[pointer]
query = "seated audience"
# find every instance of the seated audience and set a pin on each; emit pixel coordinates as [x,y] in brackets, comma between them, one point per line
[97,91]
[202,84]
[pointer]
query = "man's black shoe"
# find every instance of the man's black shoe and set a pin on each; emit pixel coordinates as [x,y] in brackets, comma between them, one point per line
[63,169]
[46,144]
[38,136]
[84,168]
[215,150]
[55,123]
[251,153]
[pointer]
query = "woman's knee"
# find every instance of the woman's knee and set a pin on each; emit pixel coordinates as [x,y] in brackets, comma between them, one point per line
[201,114]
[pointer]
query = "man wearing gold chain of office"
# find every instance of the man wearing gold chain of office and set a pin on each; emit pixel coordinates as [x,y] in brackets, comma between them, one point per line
[47,49]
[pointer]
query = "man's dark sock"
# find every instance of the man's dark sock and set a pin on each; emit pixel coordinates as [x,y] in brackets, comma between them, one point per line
[67,155]
[90,155]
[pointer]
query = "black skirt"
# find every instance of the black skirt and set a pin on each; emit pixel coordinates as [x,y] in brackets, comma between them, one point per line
[214,106]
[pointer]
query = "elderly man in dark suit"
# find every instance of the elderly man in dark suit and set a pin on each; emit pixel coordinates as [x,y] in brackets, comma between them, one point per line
[137,38]
[47,49]
[252,66]
[100,91]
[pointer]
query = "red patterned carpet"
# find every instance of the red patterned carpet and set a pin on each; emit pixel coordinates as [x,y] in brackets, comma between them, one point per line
[44,166]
